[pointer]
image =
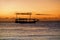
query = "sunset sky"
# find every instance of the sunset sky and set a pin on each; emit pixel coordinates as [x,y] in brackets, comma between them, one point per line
[8,8]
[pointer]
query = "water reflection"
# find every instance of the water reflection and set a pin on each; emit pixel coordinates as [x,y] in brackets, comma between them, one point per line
[38,31]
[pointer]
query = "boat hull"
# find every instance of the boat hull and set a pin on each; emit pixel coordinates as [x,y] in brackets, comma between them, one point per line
[25,21]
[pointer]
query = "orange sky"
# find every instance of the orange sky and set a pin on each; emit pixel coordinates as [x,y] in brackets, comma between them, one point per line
[8,8]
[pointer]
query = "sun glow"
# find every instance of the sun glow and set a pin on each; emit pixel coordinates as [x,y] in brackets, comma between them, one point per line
[8,8]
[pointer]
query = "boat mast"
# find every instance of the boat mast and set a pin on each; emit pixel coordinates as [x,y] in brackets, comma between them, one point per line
[30,16]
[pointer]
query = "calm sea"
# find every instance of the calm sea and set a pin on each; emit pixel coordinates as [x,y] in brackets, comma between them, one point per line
[30,31]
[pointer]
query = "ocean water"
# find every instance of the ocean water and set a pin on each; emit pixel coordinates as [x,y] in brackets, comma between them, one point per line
[30,31]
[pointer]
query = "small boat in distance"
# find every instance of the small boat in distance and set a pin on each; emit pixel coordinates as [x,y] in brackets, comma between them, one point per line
[24,20]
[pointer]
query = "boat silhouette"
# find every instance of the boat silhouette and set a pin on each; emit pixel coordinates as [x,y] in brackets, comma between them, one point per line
[25,20]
